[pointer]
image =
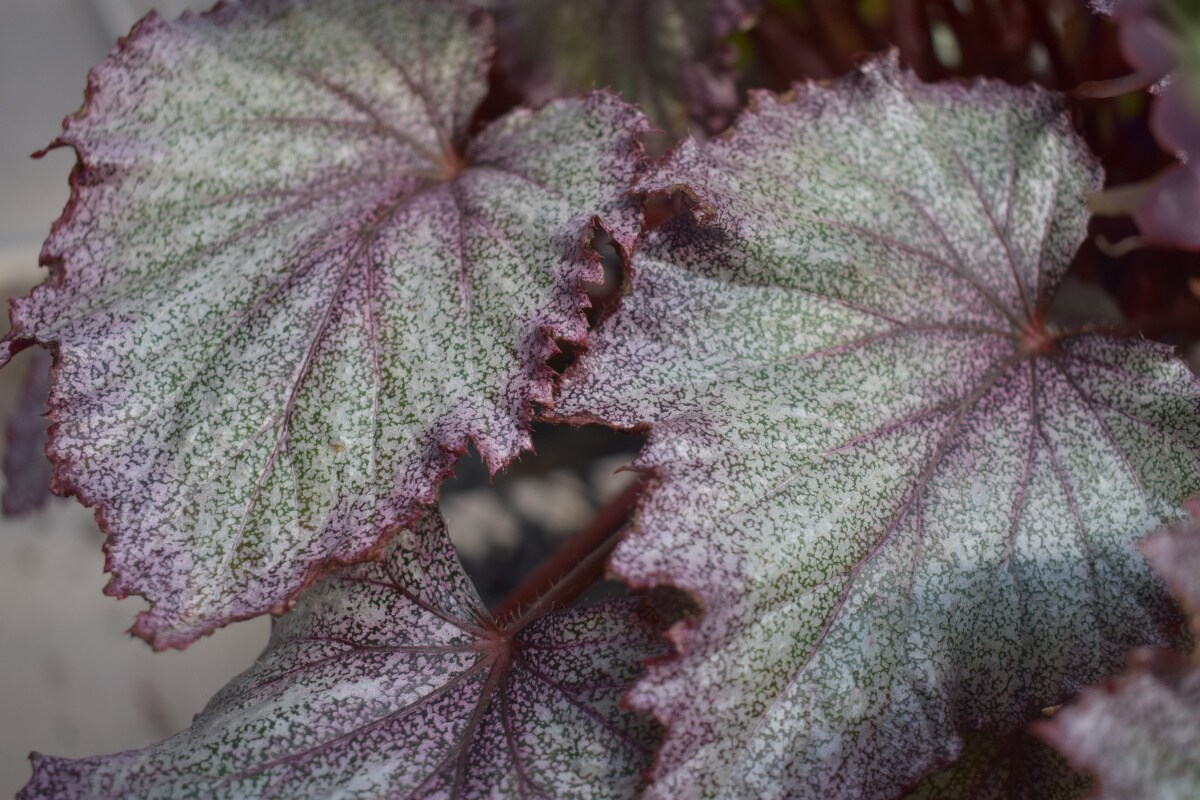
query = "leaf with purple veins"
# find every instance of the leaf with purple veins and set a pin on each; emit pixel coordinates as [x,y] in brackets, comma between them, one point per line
[1139,733]
[390,680]
[288,289]
[906,502]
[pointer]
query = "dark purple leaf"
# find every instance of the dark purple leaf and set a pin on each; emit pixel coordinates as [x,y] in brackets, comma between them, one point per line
[668,56]
[1159,39]
[1015,767]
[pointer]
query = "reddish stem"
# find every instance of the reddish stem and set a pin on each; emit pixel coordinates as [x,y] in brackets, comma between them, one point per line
[574,567]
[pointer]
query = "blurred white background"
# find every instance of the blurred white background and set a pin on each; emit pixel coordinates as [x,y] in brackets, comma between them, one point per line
[72,682]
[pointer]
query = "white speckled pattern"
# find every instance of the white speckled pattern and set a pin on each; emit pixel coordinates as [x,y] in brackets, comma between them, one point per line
[386,681]
[1139,733]
[280,309]
[906,507]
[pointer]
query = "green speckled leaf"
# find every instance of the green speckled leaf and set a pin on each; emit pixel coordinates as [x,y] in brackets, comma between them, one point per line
[905,502]
[390,680]
[289,288]
[1139,733]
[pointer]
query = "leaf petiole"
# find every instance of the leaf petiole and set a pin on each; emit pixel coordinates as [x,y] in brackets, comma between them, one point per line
[573,568]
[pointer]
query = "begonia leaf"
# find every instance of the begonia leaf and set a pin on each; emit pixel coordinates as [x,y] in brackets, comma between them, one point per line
[1175,555]
[905,501]
[389,679]
[26,470]
[1139,733]
[669,57]
[288,289]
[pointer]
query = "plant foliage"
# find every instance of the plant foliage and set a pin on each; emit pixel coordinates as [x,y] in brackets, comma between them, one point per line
[391,679]
[1161,40]
[289,288]
[905,501]
[1137,733]
[1014,767]
[303,269]
[670,57]
[26,470]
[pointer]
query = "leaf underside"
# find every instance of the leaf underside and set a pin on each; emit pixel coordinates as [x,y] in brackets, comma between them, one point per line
[1139,733]
[288,290]
[667,56]
[389,680]
[905,502]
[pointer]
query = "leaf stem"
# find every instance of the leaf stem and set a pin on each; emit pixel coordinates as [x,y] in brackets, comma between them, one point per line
[573,568]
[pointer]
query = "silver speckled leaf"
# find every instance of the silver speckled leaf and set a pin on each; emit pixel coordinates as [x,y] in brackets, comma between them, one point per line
[906,503]
[1139,733]
[288,288]
[390,680]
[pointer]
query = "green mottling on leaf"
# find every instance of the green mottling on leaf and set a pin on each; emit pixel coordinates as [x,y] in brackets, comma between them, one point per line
[907,504]
[390,680]
[282,236]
